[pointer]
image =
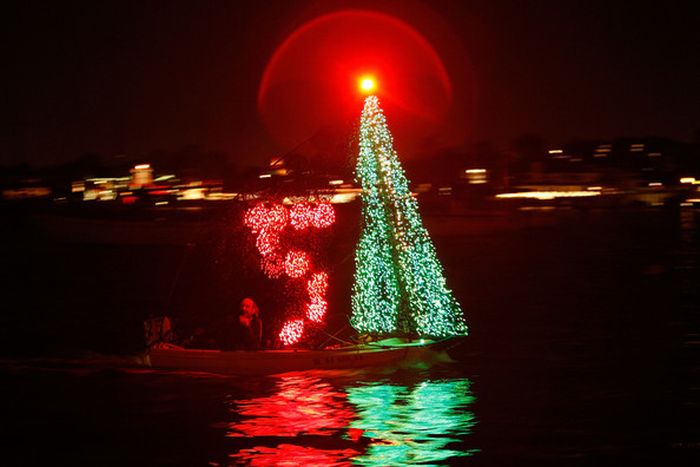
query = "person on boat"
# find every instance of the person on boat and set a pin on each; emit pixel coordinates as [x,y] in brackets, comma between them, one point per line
[249,332]
[158,330]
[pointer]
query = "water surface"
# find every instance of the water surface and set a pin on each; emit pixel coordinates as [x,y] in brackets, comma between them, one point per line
[583,351]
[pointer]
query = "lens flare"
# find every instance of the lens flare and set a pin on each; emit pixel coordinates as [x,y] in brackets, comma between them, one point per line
[339,51]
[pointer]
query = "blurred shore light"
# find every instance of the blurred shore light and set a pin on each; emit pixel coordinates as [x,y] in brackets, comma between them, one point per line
[191,194]
[476,176]
[548,195]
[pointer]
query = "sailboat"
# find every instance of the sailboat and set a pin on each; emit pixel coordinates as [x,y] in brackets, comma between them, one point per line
[401,305]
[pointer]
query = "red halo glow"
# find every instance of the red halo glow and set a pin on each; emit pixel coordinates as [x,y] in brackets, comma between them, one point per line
[311,80]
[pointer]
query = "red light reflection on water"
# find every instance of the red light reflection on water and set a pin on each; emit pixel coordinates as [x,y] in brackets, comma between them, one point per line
[290,454]
[301,405]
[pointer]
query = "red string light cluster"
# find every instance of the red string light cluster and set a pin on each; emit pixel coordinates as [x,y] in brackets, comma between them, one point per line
[292,331]
[317,305]
[268,222]
[296,263]
[261,217]
[272,266]
[305,215]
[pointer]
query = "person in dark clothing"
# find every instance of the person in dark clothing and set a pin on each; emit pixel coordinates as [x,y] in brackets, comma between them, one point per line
[242,330]
[249,332]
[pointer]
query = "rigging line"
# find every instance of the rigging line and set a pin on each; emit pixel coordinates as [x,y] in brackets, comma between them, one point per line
[334,337]
[344,260]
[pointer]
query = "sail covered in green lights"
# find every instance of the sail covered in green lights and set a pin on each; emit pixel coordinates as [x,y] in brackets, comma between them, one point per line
[399,285]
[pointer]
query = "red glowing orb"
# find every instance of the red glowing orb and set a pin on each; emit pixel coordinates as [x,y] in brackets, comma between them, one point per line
[310,84]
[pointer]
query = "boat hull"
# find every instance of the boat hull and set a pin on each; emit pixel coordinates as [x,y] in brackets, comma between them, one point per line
[282,361]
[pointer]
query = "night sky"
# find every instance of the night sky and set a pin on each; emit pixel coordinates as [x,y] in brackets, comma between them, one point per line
[138,77]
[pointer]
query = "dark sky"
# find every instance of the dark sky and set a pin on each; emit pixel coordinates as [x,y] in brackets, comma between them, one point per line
[137,77]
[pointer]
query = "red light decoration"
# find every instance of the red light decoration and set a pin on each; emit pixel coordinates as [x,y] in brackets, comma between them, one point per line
[267,242]
[316,310]
[268,222]
[292,331]
[317,306]
[317,285]
[296,263]
[260,218]
[272,266]
[305,215]
[300,216]
[324,215]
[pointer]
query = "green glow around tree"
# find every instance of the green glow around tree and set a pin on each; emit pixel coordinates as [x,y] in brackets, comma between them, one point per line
[399,282]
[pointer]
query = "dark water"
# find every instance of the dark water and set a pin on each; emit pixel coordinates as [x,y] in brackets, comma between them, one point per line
[583,351]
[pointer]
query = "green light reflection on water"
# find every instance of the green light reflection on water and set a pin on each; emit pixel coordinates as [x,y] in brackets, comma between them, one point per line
[413,425]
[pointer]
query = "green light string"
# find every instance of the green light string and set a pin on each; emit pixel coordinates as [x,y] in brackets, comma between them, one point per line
[399,282]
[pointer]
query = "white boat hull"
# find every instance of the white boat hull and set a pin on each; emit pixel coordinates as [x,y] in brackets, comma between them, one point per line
[281,361]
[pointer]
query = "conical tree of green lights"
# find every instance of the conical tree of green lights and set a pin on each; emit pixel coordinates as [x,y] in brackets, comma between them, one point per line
[399,282]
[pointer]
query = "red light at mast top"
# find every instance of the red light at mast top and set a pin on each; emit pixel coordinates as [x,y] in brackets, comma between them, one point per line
[367,84]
